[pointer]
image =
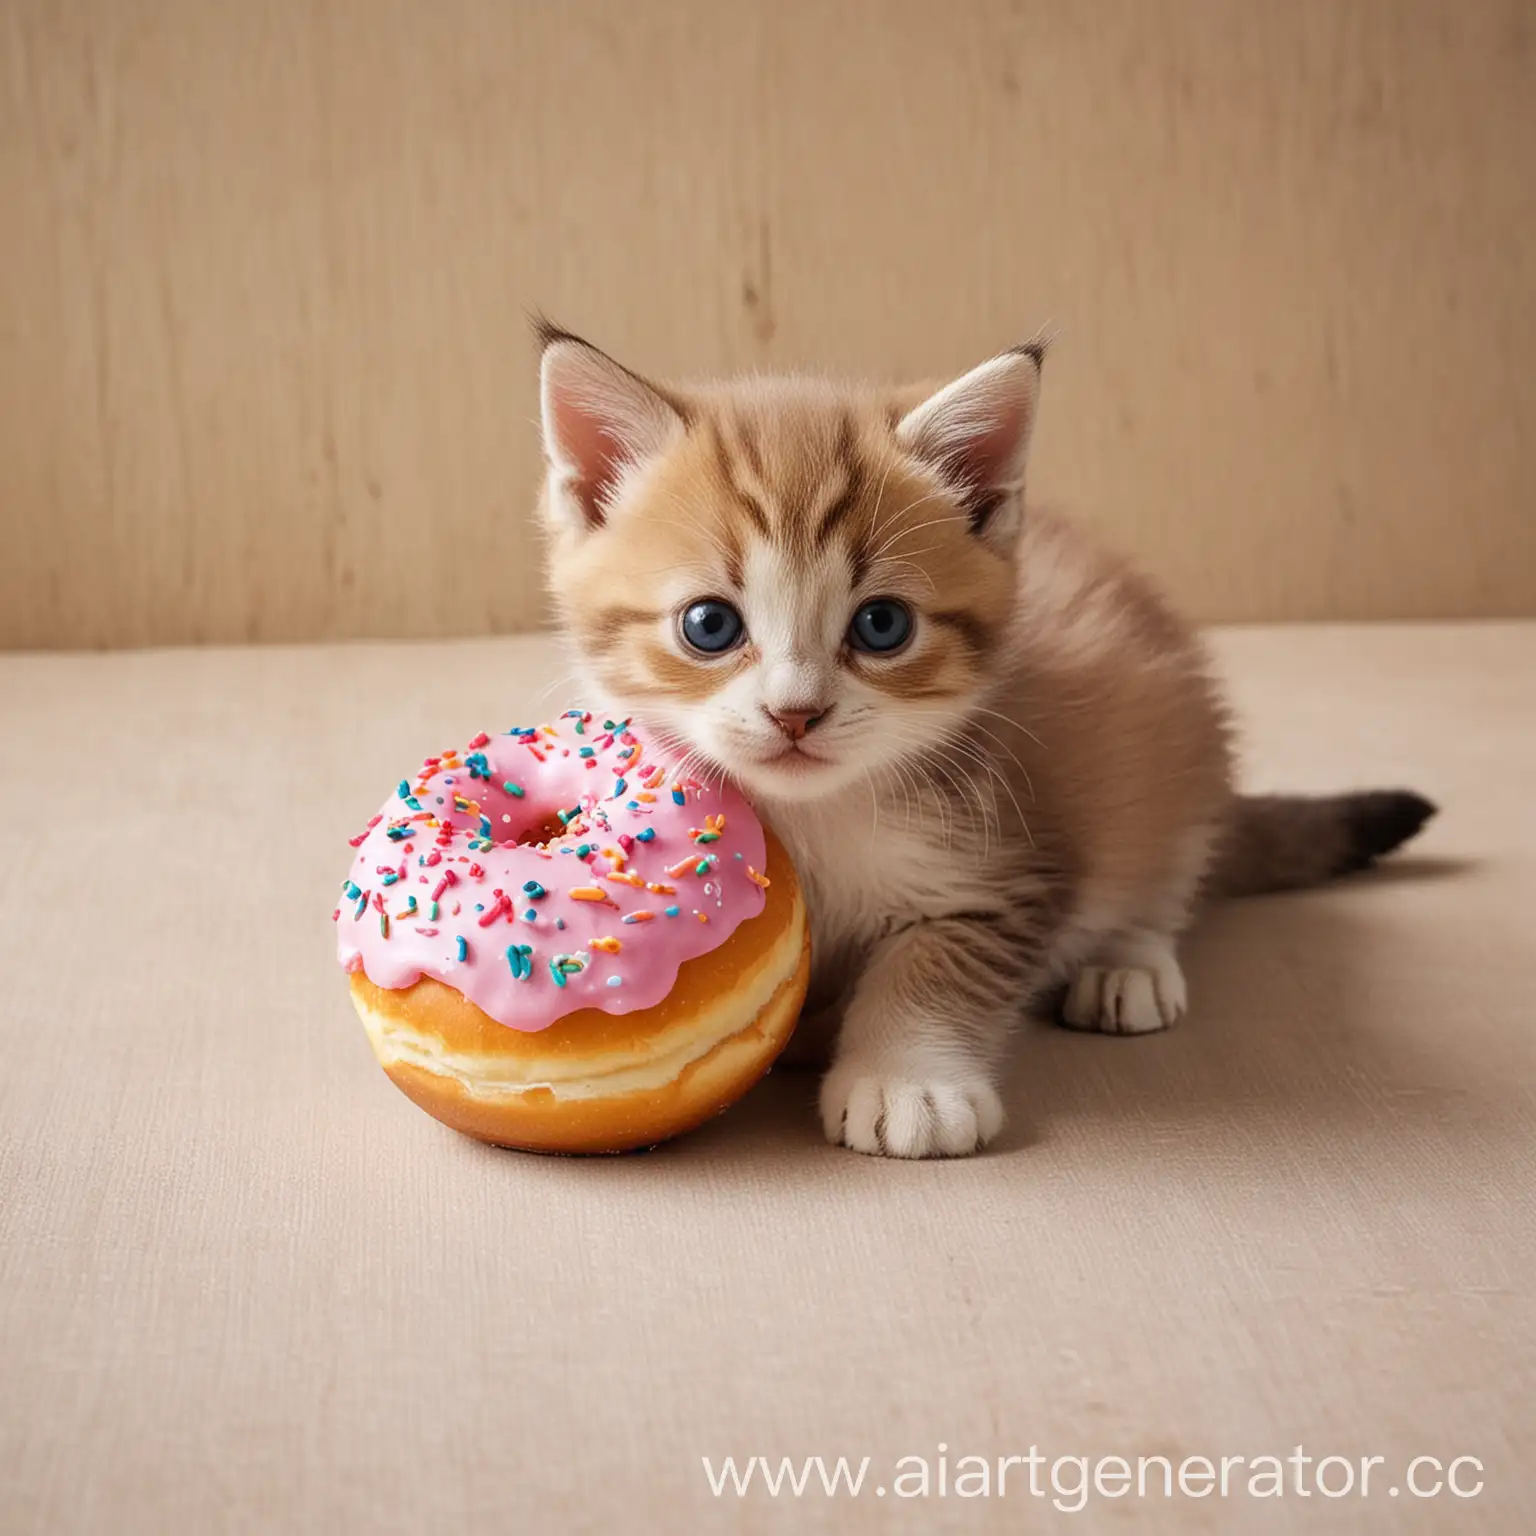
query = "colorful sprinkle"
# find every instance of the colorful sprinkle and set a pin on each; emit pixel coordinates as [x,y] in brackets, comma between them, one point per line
[638,917]
[461,946]
[615,981]
[515,790]
[646,835]
[587,893]
[758,879]
[672,911]
[361,838]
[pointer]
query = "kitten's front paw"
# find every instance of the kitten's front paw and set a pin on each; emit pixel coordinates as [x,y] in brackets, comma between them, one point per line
[892,1113]
[1125,1000]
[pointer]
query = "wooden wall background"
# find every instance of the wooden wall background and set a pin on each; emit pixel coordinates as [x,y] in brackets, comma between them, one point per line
[264,372]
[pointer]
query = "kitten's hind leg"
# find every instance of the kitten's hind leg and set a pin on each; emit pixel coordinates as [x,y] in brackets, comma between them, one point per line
[1132,983]
[1133,986]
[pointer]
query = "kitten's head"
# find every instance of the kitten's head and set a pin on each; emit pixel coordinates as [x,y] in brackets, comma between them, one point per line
[800,583]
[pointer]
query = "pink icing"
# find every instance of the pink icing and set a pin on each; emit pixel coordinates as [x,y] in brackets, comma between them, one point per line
[450,834]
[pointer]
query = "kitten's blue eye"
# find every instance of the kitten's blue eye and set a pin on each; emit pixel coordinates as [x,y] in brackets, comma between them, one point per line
[883,625]
[711,626]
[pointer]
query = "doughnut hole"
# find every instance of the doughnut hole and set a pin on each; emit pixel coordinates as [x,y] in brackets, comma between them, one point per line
[546,830]
[517,821]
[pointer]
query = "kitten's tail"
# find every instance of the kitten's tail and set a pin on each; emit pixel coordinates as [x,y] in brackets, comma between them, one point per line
[1283,842]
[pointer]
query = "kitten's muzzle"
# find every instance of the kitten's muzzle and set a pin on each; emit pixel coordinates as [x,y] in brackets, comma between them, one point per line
[797,721]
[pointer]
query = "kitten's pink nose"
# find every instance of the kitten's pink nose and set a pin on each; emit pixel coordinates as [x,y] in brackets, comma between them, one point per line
[796,722]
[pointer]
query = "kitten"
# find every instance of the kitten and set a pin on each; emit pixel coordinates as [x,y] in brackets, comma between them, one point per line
[997,759]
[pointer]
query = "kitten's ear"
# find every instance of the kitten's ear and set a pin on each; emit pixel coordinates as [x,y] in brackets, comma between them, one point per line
[975,433]
[599,418]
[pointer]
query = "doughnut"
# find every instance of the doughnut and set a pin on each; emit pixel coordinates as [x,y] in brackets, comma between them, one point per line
[558,942]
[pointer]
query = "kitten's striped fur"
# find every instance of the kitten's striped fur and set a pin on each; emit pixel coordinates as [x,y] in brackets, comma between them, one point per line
[1035,789]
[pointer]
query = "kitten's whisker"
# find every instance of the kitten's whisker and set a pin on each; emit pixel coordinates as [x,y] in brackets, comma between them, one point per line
[904,778]
[874,802]
[983,802]
[976,725]
[899,771]
[549,687]
[909,554]
[982,761]
[915,503]
[894,563]
[977,754]
[913,767]
[1013,756]
[973,752]
[874,514]
[902,533]
[886,523]
[1007,720]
